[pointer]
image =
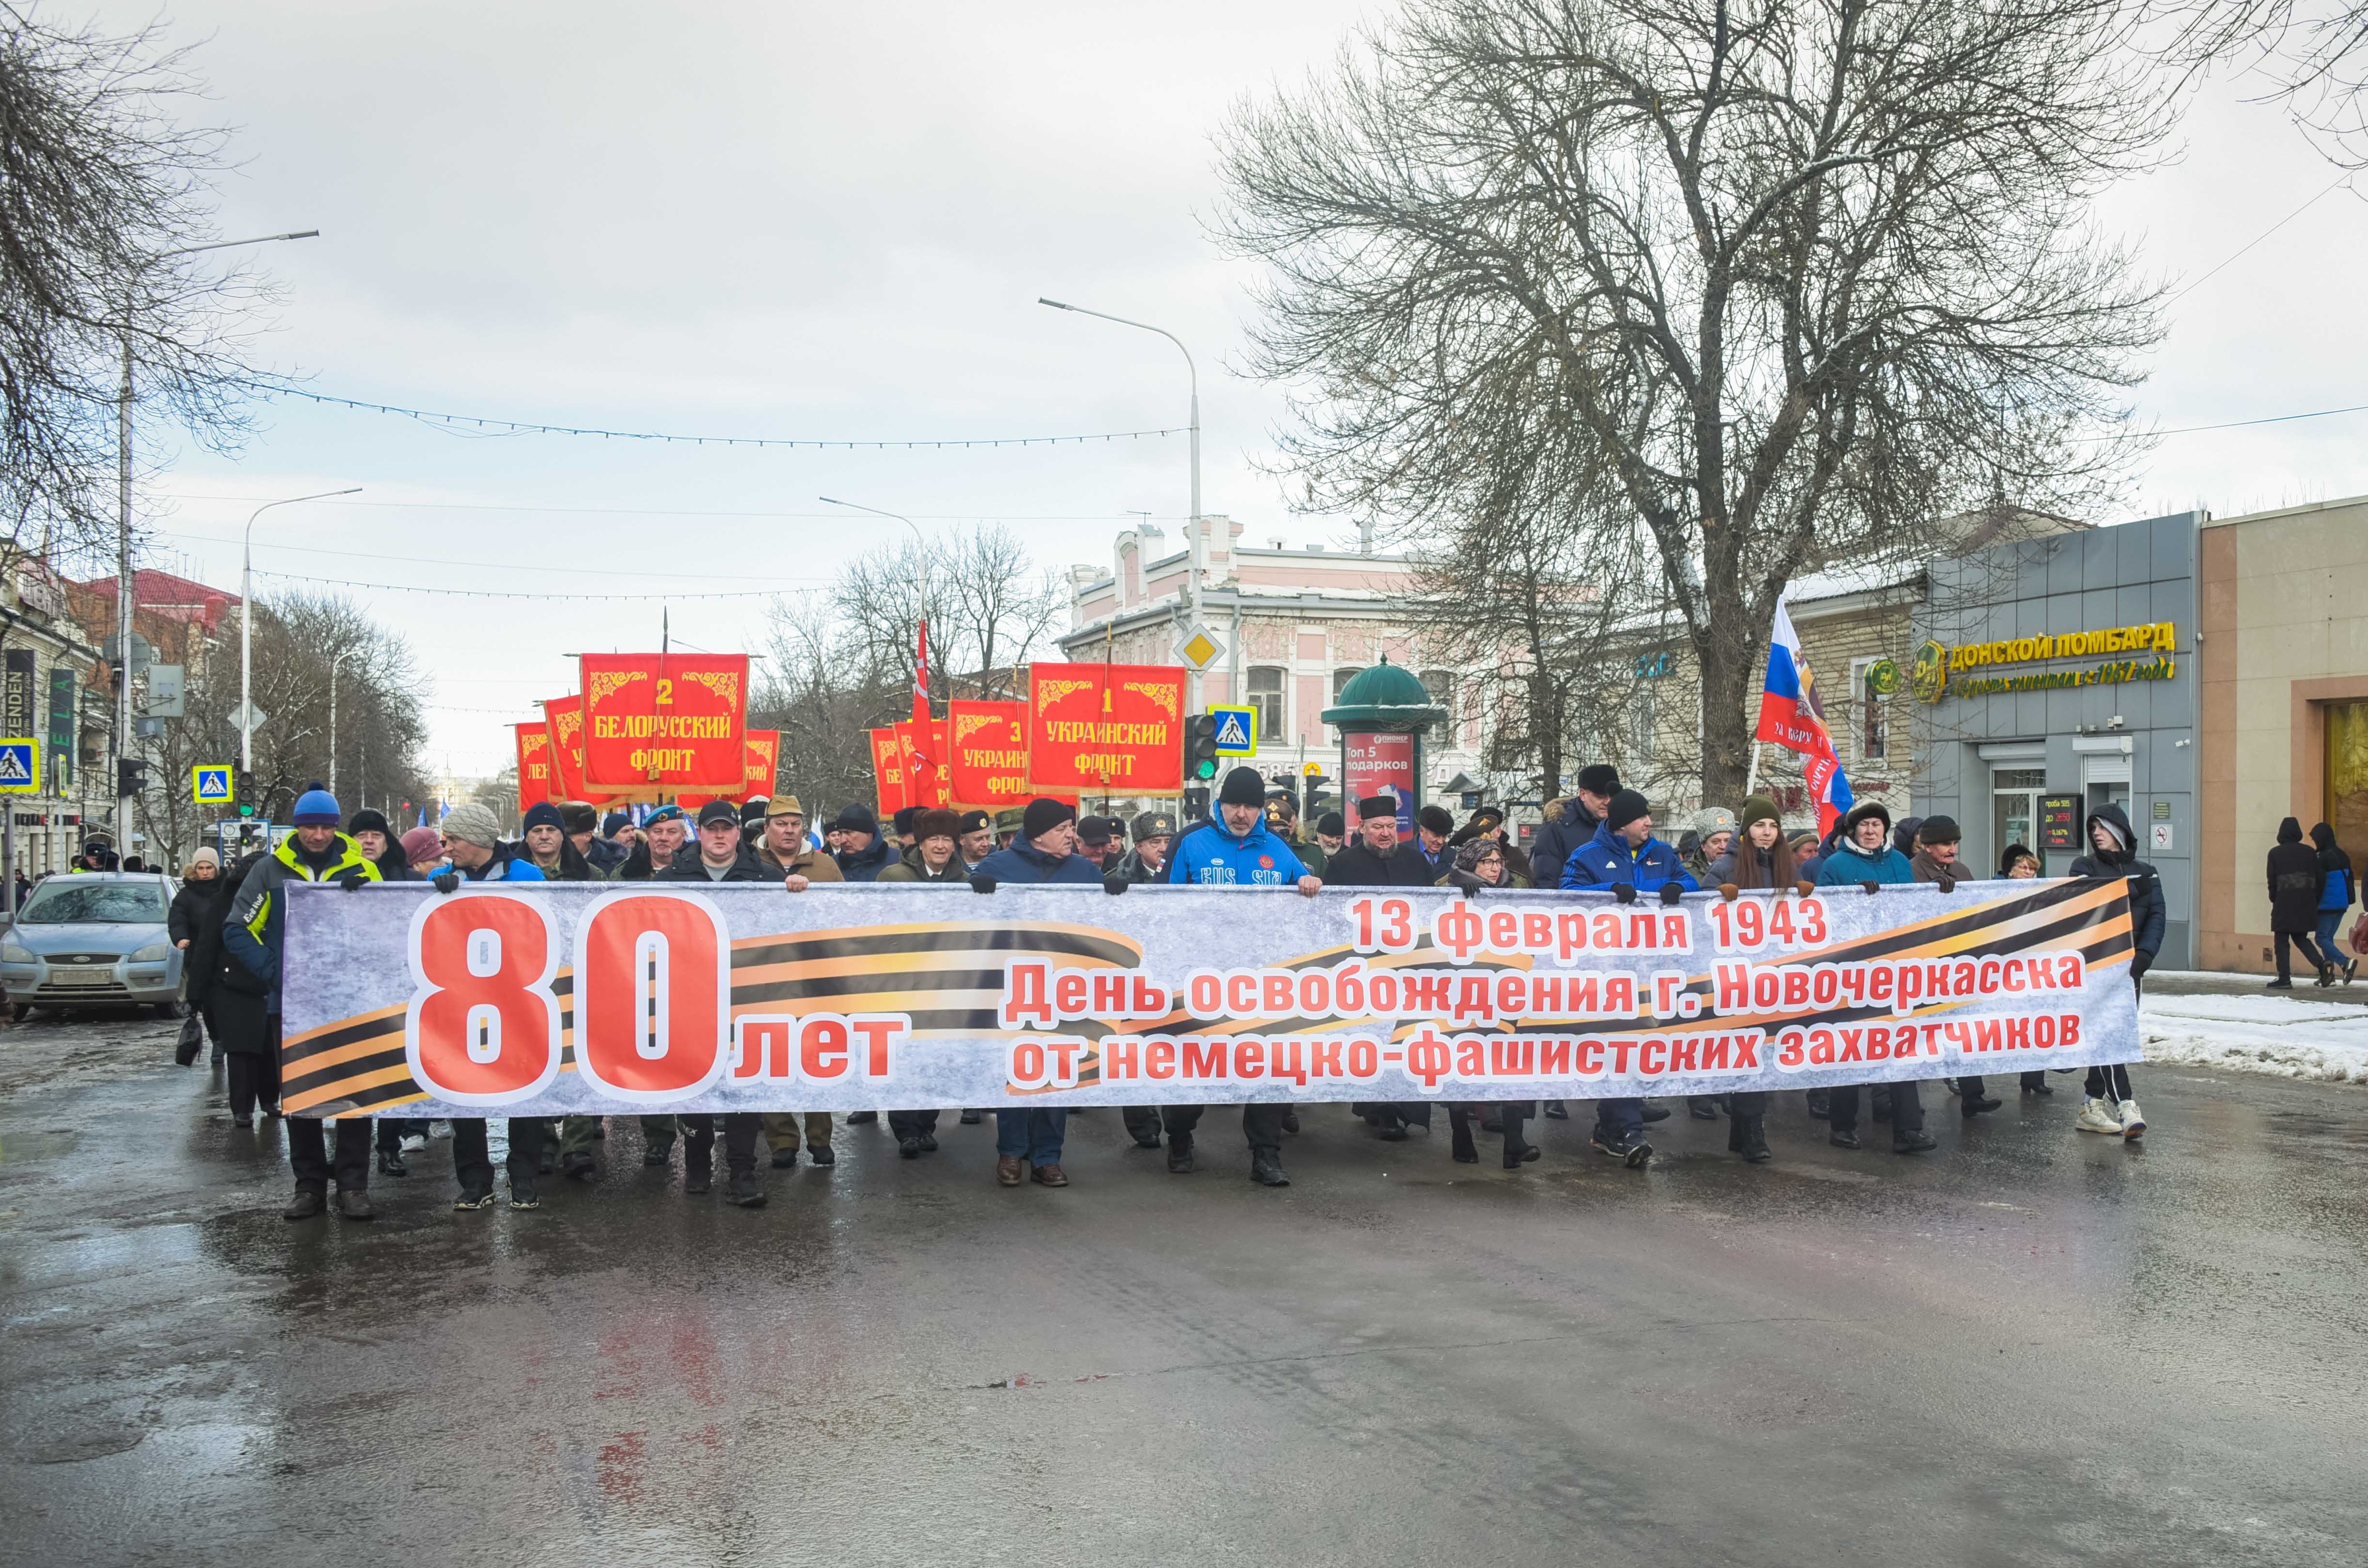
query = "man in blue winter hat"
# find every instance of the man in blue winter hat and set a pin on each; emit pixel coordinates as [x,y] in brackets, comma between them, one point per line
[254,935]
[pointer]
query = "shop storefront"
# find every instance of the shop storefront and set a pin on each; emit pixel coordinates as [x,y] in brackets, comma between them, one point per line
[2284,603]
[2055,676]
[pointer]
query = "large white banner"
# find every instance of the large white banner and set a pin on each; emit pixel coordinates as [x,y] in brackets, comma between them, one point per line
[596,998]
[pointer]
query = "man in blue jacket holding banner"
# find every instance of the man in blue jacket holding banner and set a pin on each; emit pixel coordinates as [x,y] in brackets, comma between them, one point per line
[1623,853]
[1238,850]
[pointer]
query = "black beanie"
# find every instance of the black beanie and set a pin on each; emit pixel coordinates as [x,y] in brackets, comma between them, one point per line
[1330,825]
[542,813]
[1938,830]
[370,819]
[1243,787]
[1625,807]
[903,818]
[856,817]
[1599,778]
[1042,816]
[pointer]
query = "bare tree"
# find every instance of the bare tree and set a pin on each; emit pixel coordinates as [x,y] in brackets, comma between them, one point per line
[2311,55]
[1805,275]
[98,186]
[842,663]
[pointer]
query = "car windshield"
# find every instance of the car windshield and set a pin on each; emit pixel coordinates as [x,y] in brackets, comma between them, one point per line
[73,901]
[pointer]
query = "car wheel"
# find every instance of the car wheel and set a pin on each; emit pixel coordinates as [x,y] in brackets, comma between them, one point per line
[167,1009]
[19,1011]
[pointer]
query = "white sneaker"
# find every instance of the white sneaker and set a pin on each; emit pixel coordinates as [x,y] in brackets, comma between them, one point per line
[2132,1120]
[412,1142]
[2097,1116]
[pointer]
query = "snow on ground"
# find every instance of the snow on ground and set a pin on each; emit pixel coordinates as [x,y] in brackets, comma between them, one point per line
[2285,1036]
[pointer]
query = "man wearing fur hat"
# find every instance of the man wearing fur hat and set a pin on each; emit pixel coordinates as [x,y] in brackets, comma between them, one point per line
[1571,823]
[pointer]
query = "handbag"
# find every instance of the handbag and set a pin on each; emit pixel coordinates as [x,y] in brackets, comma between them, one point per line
[191,1041]
[2360,936]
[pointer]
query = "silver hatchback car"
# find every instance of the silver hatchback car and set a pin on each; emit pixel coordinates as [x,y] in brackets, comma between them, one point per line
[93,939]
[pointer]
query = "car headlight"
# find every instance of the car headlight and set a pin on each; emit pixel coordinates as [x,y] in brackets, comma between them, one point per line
[11,953]
[154,952]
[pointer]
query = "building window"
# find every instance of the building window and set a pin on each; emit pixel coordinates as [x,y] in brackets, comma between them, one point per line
[1266,696]
[1441,683]
[1340,679]
[1641,738]
[1873,712]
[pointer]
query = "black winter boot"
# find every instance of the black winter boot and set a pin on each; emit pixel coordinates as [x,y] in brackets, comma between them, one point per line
[1750,1139]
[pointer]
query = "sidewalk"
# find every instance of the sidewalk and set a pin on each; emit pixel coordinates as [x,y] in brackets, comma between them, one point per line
[2228,1021]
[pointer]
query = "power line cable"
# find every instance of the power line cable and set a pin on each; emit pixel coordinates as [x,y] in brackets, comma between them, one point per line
[486,424]
[498,594]
[492,565]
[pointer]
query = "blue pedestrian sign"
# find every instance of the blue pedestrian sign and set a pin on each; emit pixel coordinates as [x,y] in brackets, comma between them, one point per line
[209,784]
[1236,730]
[20,766]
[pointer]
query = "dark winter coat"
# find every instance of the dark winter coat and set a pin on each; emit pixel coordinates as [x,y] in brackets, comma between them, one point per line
[605,856]
[2147,910]
[865,864]
[2297,881]
[1608,860]
[1568,824]
[638,867]
[913,869]
[1135,873]
[1358,867]
[1025,864]
[196,917]
[687,866]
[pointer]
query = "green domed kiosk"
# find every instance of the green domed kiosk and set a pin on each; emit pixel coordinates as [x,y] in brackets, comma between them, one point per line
[1383,715]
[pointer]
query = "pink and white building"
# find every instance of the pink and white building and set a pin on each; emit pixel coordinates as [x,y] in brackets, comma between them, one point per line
[1296,622]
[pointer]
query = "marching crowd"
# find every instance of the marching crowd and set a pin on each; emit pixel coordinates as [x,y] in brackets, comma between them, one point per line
[230,921]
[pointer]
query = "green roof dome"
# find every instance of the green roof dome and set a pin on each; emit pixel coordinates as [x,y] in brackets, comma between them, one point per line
[1386,697]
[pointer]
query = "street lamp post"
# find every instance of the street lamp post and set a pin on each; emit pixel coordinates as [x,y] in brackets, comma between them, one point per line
[246,622]
[860,506]
[124,584]
[1199,552]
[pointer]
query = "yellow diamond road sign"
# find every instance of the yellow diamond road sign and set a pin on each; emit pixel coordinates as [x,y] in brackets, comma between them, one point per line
[1198,649]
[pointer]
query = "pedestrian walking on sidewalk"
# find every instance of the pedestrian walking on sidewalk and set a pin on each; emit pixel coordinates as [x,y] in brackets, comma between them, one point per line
[2334,902]
[2298,880]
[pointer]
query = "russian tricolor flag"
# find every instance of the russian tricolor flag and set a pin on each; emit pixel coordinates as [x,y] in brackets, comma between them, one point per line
[1791,715]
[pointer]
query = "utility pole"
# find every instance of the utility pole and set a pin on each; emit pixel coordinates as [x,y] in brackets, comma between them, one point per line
[334,658]
[1199,555]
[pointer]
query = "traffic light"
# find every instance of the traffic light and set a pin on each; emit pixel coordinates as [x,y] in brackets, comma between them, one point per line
[1201,746]
[1196,803]
[131,777]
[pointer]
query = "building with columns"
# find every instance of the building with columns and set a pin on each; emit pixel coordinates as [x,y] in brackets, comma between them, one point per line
[1295,622]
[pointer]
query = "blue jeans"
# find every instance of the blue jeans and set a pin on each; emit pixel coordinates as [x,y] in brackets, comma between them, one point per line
[1621,1118]
[1033,1133]
[2330,921]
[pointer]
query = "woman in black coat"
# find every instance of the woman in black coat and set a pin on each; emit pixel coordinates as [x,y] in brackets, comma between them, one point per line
[194,925]
[2297,881]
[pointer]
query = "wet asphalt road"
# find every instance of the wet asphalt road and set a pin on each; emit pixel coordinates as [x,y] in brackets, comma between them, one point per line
[2031,1346]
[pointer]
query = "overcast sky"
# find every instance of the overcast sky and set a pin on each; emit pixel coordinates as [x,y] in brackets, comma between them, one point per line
[833,221]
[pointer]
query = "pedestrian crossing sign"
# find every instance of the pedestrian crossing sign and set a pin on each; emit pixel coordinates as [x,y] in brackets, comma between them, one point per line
[1236,730]
[209,784]
[20,767]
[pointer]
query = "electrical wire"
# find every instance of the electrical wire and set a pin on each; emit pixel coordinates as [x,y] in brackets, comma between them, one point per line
[485,424]
[498,594]
[492,565]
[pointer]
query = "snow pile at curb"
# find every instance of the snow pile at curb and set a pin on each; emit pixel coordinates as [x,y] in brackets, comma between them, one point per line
[2324,1041]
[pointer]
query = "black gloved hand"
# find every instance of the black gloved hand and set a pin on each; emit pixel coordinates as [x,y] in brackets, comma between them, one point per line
[446,880]
[982,884]
[1113,885]
[1671,892]
[1623,892]
[1871,889]
[352,884]
[1465,880]
[2140,961]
